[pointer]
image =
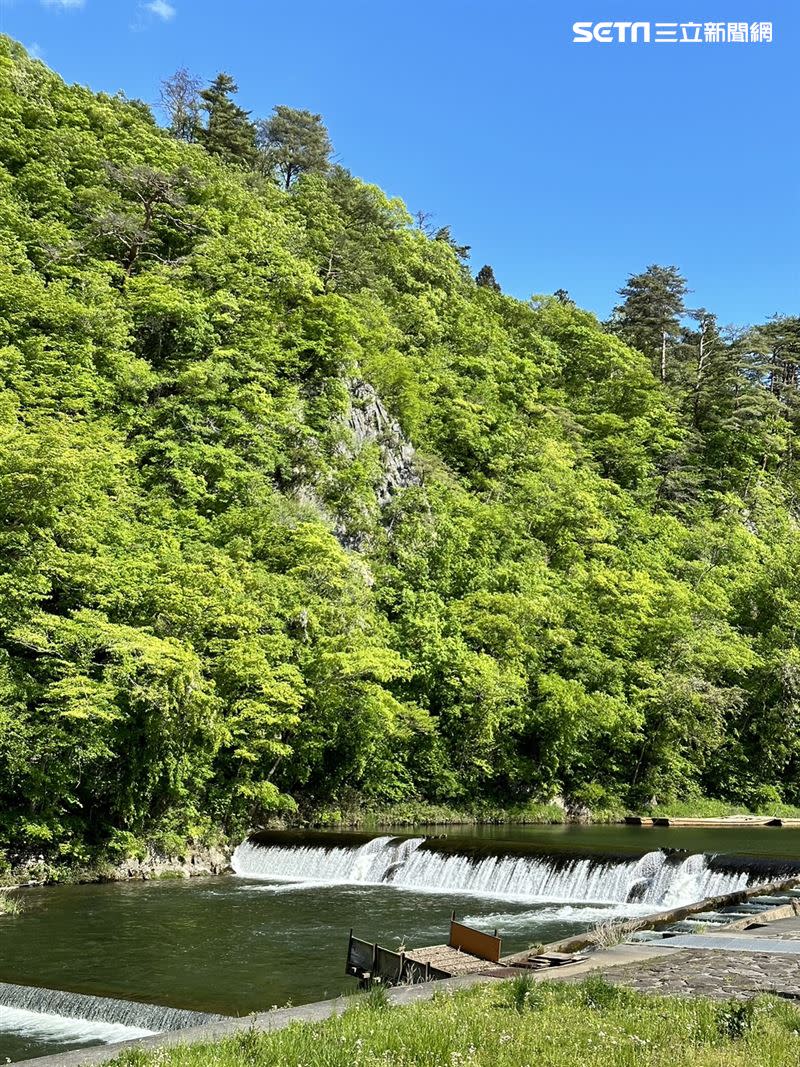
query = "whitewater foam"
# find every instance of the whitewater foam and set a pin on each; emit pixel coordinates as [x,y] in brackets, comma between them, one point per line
[656,879]
[88,1010]
[62,1029]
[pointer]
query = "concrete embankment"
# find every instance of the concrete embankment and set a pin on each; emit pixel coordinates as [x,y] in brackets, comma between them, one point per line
[710,823]
[661,919]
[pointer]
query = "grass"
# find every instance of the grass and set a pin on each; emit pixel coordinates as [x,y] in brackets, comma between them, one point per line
[419,813]
[609,934]
[701,808]
[517,1024]
[10,905]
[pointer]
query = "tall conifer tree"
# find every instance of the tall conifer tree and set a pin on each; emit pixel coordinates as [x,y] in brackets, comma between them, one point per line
[649,317]
[228,133]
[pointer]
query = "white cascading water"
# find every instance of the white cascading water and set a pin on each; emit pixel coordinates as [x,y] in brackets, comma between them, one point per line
[655,879]
[39,1026]
[61,1010]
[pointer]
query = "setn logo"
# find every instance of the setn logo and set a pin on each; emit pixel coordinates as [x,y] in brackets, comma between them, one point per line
[607,32]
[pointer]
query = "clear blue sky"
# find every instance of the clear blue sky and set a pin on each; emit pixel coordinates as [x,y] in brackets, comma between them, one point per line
[563,165]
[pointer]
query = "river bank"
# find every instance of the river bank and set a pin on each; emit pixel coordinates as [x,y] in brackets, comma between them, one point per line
[558,811]
[277,932]
[490,1024]
[150,864]
[186,858]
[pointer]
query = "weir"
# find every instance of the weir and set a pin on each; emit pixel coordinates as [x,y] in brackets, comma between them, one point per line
[150,1018]
[61,1030]
[661,878]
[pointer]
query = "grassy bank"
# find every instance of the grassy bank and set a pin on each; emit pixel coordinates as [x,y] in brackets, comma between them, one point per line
[419,813]
[9,905]
[518,1024]
[720,809]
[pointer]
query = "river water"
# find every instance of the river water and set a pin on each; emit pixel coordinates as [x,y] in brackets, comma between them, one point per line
[277,933]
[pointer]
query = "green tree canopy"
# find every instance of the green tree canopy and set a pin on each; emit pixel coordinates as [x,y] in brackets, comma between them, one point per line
[650,314]
[228,131]
[293,142]
[294,514]
[486,279]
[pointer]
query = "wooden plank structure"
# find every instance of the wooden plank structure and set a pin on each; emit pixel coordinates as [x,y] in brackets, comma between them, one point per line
[474,942]
[370,962]
[467,951]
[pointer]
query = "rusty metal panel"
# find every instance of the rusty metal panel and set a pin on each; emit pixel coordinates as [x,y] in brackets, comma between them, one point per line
[476,943]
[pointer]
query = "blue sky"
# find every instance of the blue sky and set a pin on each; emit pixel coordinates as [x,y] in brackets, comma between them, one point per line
[562,165]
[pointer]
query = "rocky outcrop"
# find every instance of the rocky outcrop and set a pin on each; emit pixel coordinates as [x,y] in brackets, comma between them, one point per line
[198,862]
[370,423]
[366,424]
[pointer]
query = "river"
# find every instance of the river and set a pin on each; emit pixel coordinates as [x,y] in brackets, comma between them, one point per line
[277,933]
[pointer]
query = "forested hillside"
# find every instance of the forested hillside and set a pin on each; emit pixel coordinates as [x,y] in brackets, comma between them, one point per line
[294,511]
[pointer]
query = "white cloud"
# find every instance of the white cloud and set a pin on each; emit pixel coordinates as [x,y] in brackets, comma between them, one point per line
[35,50]
[64,5]
[162,8]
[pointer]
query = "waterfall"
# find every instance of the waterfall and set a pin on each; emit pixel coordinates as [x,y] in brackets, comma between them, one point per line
[107,1012]
[379,860]
[59,1029]
[659,878]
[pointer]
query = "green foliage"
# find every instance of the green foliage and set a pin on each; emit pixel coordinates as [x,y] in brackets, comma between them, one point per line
[377,999]
[525,993]
[650,314]
[296,515]
[736,1019]
[228,133]
[598,993]
[486,279]
[10,905]
[293,142]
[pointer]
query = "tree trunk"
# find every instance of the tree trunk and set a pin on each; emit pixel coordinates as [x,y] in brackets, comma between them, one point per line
[698,379]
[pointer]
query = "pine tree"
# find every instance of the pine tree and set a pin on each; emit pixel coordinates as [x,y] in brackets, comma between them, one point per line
[486,279]
[228,133]
[778,343]
[445,235]
[293,142]
[649,318]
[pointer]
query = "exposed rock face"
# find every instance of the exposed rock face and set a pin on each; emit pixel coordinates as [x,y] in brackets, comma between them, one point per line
[575,812]
[198,861]
[371,423]
[201,861]
[366,425]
